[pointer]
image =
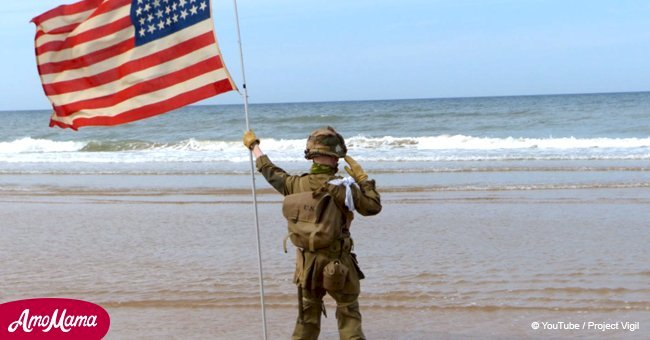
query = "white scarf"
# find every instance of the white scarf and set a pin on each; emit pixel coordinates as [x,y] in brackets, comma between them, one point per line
[347,181]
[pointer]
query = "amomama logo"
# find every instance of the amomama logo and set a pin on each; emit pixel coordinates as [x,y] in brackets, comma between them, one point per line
[53,318]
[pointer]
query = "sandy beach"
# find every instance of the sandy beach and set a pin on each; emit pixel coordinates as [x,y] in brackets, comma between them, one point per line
[174,257]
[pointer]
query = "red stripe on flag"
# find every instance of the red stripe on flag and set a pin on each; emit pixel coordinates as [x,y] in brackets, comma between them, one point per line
[88,59]
[62,29]
[86,36]
[79,7]
[105,8]
[147,111]
[133,66]
[108,6]
[149,86]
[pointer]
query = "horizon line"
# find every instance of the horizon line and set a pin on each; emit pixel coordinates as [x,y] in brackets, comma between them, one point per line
[398,99]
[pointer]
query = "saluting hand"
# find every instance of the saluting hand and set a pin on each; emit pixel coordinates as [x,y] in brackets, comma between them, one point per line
[355,170]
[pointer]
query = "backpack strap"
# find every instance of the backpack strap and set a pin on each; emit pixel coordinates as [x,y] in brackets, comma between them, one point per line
[284,242]
[349,216]
[311,241]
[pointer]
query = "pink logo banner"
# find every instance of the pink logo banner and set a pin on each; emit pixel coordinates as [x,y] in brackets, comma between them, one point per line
[53,318]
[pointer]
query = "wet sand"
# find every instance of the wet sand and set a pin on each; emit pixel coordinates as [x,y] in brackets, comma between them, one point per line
[174,257]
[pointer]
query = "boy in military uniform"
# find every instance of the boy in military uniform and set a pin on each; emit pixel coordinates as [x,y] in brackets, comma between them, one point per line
[324,147]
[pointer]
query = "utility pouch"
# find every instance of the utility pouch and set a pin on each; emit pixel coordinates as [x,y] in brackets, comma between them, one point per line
[334,275]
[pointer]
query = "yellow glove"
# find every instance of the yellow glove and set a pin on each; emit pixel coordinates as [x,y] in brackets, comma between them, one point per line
[250,140]
[356,170]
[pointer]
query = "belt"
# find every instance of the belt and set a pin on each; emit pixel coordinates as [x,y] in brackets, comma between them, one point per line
[337,248]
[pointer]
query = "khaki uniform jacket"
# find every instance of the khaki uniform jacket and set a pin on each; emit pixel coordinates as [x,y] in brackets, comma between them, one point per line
[309,265]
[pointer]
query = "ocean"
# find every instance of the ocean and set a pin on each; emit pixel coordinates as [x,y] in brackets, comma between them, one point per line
[392,135]
[499,213]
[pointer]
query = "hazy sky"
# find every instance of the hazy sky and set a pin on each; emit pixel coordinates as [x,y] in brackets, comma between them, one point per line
[325,50]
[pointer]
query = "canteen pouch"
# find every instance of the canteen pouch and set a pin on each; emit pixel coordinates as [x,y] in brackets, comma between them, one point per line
[334,275]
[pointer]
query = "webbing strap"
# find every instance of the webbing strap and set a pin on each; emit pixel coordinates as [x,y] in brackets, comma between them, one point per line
[346,304]
[311,240]
[300,305]
[284,242]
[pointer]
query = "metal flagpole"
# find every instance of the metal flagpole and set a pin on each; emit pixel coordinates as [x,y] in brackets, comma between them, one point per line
[250,155]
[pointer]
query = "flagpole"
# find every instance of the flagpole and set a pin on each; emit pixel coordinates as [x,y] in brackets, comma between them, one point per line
[254,191]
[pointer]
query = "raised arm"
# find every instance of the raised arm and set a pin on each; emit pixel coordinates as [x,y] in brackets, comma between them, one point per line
[367,200]
[276,176]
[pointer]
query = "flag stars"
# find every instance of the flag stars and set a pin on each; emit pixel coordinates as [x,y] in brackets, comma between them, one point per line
[158,18]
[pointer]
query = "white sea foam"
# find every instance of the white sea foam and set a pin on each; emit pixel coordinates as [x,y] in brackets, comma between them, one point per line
[461,142]
[31,145]
[390,149]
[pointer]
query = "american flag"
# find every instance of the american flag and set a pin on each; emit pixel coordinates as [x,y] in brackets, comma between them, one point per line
[110,62]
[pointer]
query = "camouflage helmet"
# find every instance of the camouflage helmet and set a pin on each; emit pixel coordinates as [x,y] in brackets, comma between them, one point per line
[325,141]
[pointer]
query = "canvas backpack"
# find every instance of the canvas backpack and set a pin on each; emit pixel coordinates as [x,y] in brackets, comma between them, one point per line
[314,219]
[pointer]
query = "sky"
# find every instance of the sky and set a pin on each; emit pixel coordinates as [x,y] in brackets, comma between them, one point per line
[334,50]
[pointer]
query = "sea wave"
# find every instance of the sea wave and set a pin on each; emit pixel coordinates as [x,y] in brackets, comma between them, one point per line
[386,149]
[462,142]
[37,145]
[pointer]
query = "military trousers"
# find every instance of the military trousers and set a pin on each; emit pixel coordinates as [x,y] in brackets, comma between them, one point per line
[348,316]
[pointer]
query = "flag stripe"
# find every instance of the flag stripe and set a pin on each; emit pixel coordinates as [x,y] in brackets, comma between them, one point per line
[92,58]
[63,29]
[155,84]
[64,24]
[152,97]
[149,98]
[87,36]
[191,50]
[150,110]
[66,12]
[43,38]
[95,18]
[89,47]
[72,72]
